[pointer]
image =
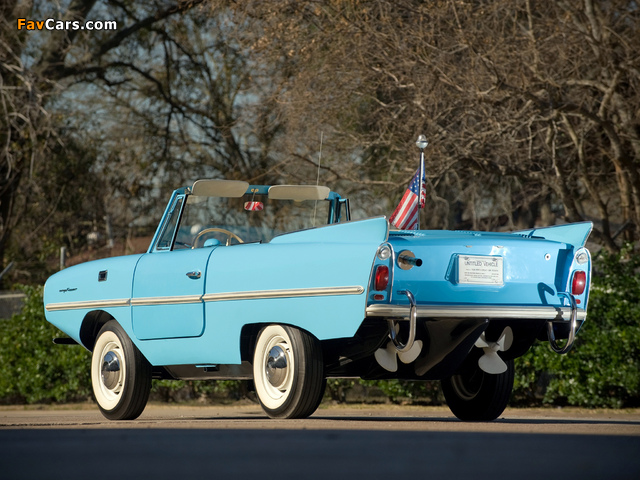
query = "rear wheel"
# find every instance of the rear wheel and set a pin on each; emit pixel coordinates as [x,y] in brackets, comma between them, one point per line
[288,372]
[474,395]
[120,375]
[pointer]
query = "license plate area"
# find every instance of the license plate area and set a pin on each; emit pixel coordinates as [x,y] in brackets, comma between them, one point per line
[480,270]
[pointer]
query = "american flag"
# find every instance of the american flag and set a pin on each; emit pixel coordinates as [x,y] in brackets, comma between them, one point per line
[405,216]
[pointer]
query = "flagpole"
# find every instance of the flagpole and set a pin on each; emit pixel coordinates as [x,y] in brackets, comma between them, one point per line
[421,144]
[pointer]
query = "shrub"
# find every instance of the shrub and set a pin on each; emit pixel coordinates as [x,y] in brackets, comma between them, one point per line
[37,371]
[34,370]
[603,368]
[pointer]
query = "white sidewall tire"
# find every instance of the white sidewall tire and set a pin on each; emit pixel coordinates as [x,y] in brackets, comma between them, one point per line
[273,397]
[108,398]
[288,372]
[122,389]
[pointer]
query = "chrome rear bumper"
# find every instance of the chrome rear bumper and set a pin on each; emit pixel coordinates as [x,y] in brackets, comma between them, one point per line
[548,312]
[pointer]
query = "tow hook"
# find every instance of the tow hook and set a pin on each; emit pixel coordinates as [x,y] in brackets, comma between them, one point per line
[572,328]
[388,356]
[413,314]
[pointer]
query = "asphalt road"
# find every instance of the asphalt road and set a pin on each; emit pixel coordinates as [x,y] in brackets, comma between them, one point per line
[335,443]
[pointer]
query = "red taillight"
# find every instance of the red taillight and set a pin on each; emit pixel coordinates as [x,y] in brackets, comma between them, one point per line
[579,282]
[381,278]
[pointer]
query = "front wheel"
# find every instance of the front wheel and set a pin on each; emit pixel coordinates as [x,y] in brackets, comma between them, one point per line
[474,395]
[288,372]
[120,375]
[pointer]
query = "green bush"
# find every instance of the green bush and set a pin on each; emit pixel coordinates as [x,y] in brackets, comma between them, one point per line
[34,370]
[37,371]
[603,368]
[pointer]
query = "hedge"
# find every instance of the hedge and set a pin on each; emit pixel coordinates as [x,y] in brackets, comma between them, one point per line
[602,369]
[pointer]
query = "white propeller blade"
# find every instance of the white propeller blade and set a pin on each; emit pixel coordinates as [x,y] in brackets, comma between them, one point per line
[506,339]
[491,362]
[387,357]
[412,354]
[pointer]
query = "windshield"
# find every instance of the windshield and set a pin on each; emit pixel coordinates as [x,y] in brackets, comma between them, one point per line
[210,221]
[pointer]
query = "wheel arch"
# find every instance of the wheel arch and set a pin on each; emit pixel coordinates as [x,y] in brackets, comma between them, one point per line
[91,325]
[249,336]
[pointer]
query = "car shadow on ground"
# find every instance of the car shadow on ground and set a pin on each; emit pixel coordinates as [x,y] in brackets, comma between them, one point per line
[411,419]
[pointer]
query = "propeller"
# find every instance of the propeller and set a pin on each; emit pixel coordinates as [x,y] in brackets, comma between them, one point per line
[387,357]
[491,362]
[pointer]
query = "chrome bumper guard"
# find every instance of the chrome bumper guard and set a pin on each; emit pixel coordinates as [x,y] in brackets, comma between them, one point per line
[573,327]
[413,320]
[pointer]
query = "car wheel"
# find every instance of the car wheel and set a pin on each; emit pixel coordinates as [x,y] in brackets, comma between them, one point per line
[288,372]
[473,395]
[120,375]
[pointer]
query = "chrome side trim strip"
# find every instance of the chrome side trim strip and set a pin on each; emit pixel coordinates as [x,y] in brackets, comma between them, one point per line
[210,297]
[120,302]
[175,300]
[472,311]
[286,293]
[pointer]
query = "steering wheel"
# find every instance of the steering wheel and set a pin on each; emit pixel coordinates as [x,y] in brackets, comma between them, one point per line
[214,229]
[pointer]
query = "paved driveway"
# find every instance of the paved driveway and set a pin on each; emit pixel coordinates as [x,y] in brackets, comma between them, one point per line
[335,443]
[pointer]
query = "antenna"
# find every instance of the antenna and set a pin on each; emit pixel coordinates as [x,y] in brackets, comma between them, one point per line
[422,143]
[319,158]
[315,207]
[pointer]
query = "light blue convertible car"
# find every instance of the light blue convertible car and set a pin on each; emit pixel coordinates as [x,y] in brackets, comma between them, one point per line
[276,284]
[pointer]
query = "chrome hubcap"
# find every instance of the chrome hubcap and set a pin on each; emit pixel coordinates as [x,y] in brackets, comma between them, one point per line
[110,370]
[277,366]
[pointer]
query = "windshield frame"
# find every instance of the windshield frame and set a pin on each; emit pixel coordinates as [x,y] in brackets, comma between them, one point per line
[175,211]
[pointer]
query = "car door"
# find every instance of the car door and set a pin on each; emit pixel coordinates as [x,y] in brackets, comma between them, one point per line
[167,294]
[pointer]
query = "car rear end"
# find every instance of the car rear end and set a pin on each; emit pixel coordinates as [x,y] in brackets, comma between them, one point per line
[536,286]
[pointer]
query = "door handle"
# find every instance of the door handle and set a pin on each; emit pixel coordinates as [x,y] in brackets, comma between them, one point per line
[194,275]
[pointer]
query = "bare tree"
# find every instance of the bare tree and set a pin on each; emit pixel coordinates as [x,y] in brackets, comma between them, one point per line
[531,107]
[136,111]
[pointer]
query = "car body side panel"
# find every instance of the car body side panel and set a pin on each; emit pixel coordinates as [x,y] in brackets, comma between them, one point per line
[318,284]
[105,284]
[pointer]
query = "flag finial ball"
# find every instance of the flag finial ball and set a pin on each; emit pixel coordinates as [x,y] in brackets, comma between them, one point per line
[422,142]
